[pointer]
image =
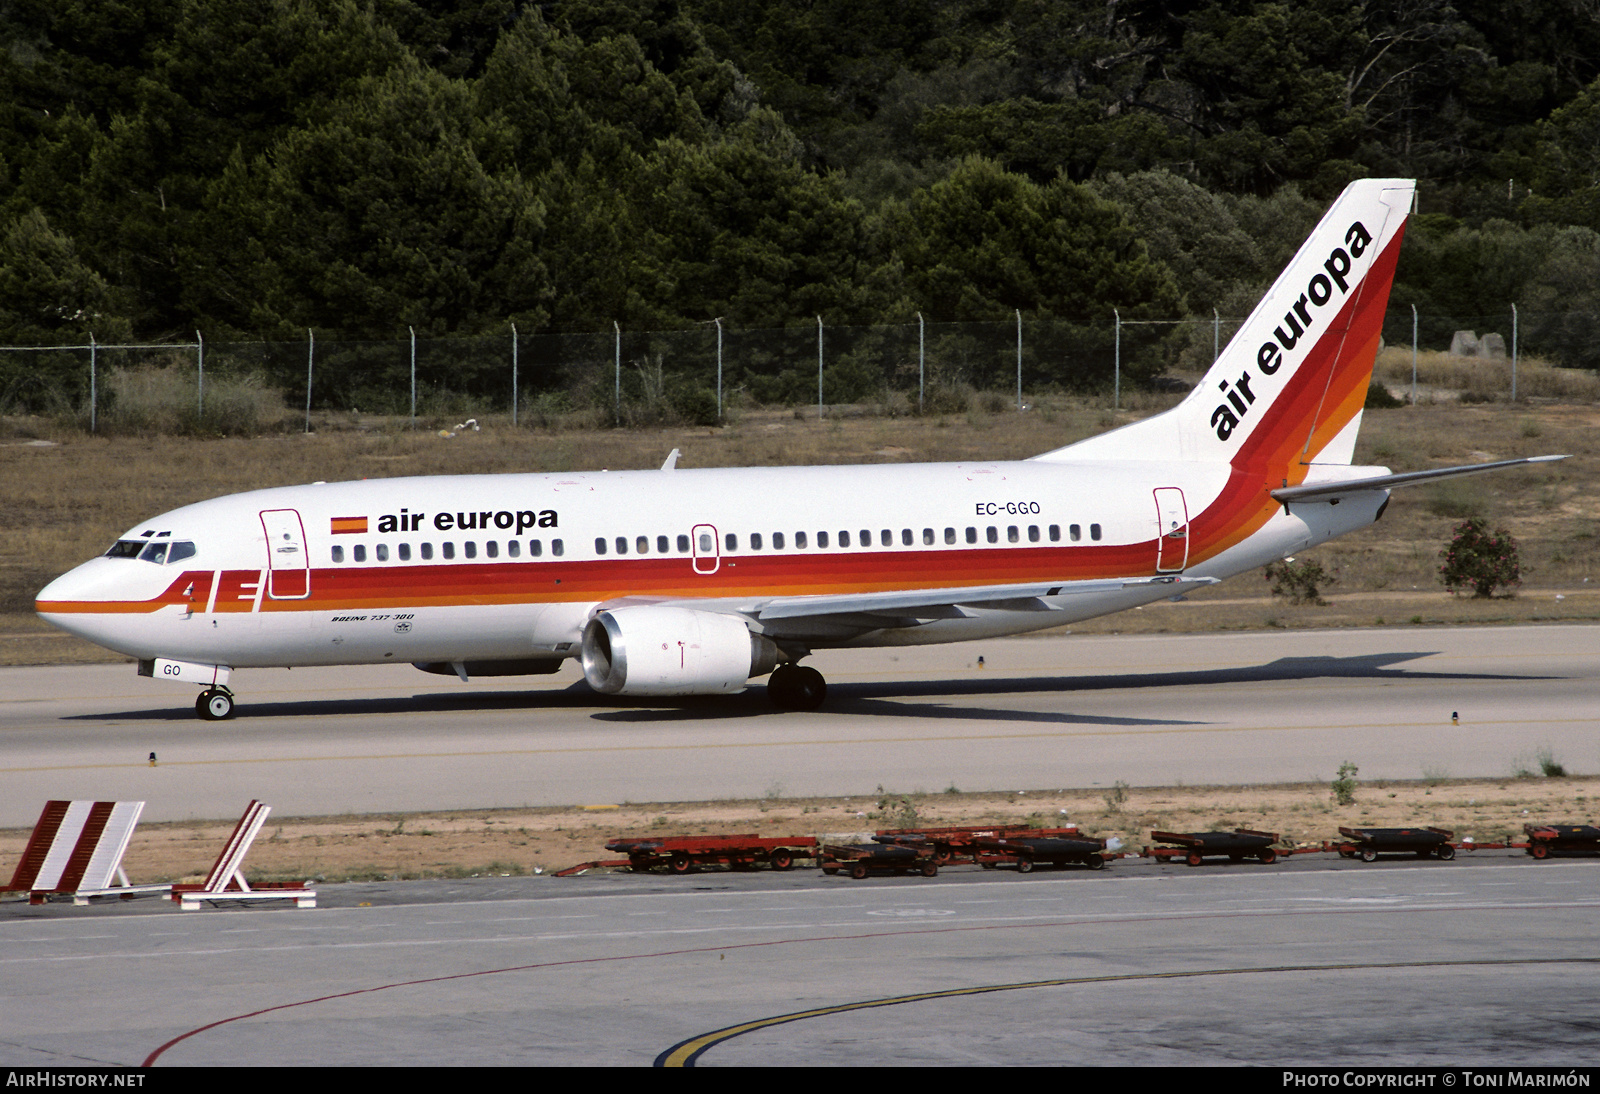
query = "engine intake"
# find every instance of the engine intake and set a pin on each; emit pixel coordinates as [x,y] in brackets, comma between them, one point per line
[672,651]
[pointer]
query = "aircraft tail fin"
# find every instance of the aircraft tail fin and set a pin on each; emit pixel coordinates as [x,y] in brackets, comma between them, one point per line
[1288,390]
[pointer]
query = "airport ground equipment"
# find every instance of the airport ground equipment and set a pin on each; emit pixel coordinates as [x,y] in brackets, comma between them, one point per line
[1236,846]
[960,844]
[1030,851]
[76,850]
[862,859]
[1547,840]
[681,854]
[226,879]
[1368,843]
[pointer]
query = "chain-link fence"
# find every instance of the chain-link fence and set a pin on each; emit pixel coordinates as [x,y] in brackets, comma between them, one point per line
[696,373]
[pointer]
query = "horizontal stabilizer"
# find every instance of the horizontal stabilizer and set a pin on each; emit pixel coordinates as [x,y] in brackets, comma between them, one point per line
[1389,482]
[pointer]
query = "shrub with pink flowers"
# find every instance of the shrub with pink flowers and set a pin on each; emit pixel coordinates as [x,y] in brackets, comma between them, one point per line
[1480,560]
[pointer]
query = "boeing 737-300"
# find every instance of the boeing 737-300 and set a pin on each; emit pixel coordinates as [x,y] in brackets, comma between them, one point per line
[689,582]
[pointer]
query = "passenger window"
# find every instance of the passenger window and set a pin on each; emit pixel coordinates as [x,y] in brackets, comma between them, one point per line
[1076,532]
[972,535]
[992,534]
[707,544]
[470,548]
[662,546]
[1033,533]
[338,554]
[866,538]
[599,545]
[949,535]
[359,551]
[1094,531]
[405,552]
[755,541]
[822,539]
[622,545]
[1055,533]
[905,537]
[447,550]
[1012,535]
[927,536]
[557,548]
[382,551]
[683,545]
[427,551]
[777,541]
[492,549]
[513,548]
[886,538]
[844,539]
[731,541]
[800,541]
[535,548]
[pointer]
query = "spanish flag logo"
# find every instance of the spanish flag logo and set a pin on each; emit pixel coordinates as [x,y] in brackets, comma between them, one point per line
[343,526]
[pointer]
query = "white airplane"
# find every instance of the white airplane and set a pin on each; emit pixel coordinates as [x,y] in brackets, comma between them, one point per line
[687,582]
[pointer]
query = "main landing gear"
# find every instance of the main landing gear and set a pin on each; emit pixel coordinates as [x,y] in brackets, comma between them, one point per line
[214,704]
[796,687]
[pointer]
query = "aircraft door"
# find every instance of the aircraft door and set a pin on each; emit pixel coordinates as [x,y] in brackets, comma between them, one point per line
[707,558]
[289,570]
[1172,532]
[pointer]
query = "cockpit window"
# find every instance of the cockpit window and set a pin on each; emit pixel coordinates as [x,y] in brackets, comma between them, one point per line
[126,548]
[156,552]
[180,550]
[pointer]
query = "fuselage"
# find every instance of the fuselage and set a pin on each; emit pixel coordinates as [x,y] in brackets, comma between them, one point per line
[465,568]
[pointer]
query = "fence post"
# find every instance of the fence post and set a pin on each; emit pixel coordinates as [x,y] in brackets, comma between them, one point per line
[1413,355]
[922,374]
[718,322]
[311,357]
[91,384]
[1513,352]
[1019,360]
[200,382]
[1216,335]
[1116,381]
[513,376]
[820,410]
[617,401]
[413,331]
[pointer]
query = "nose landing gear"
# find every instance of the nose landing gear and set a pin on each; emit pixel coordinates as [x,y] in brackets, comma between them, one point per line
[214,704]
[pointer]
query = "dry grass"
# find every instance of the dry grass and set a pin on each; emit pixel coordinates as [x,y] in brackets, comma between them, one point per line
[487,842]
[1441,377]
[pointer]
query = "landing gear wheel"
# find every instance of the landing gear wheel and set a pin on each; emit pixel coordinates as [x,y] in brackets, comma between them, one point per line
[796,687]
[214,705]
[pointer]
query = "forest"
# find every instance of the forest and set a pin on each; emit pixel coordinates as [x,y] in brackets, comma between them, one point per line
[259,169]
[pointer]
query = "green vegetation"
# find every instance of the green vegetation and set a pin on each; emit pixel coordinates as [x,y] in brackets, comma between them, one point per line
[1300,580]
[1480,560]
[255,170]
[1344,784]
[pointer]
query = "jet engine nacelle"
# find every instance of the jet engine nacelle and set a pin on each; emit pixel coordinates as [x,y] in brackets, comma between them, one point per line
[672,651]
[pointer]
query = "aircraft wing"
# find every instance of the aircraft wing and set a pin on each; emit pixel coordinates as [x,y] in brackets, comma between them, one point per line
[854,613]
[1389,482]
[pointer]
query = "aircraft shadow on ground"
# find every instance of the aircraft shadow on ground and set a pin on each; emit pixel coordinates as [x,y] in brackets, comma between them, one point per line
[876,699]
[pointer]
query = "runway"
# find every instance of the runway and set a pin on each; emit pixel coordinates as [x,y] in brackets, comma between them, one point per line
[1039,713]
[1489,961]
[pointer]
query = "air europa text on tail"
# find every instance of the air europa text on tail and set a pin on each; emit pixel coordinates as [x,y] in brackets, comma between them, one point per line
[1296,326]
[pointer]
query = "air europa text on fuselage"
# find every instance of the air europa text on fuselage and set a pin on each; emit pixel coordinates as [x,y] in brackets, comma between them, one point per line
[1295,328]
[504,519]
